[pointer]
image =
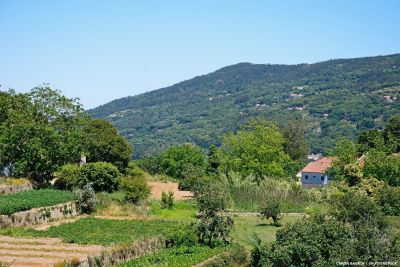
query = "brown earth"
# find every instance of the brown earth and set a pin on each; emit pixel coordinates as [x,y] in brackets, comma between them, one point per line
[158,187]
[42,252]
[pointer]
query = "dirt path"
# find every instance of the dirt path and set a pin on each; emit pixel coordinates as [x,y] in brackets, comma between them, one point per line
[42,252]
[158,187]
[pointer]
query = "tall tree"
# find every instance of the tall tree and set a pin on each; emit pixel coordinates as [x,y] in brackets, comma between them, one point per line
[391,133]
[103,143]
[295,144]
[39,132]
[256,149]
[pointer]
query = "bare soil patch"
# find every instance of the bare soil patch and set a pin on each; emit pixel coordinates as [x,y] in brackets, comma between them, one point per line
[158,187]
[42,252]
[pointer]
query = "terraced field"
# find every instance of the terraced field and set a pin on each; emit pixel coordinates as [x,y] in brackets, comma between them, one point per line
[42,252]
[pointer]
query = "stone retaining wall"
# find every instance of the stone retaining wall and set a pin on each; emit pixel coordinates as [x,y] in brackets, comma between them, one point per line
[121,253]
[39,215]
[12,189]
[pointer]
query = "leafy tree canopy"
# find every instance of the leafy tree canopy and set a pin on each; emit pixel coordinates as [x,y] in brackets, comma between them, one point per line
[103,143]
[43,130]
[256,149]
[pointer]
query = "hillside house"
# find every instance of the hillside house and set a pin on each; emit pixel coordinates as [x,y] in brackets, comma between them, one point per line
[315,173]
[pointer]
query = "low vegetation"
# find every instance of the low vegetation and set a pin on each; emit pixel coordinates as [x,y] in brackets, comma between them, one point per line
[27,200]
[102,231]
[181,256]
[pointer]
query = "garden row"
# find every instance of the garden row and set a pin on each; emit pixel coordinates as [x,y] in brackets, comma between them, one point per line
[27,200]
[126,238]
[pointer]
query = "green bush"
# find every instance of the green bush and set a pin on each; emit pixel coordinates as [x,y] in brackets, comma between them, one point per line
[182,236]
[133,170]
[101,175]
[135,188]
[67,177]
[167,200]
[86,197]
[354,228]
[235,256]
[389,200]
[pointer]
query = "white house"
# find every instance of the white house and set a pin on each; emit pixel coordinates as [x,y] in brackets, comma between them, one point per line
[315,172]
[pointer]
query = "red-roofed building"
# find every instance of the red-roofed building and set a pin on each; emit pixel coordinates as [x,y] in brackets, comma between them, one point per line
[315,172]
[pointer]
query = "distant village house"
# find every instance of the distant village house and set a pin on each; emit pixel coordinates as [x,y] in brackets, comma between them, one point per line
[315,173]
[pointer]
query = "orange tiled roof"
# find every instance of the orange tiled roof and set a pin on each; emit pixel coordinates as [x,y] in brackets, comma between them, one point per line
[320,166]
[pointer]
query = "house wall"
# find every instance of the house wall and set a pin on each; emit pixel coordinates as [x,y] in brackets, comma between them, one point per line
[314,178]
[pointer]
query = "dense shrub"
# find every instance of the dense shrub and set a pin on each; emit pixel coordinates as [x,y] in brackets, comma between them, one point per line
[101,175]
[213,228]
[135,188]
[133,170]
[167,200]
[383,167]
[67,176]
[353,230]
[182,236]
[86,198]
[389,200]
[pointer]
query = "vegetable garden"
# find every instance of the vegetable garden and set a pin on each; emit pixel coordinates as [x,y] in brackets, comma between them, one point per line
[27,200]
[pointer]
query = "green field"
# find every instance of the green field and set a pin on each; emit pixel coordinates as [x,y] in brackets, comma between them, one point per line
[27,200]
[101,231]
[182,210]
[246,226]
[177,257]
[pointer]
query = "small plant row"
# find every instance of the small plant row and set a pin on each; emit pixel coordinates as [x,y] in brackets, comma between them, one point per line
[102,231]
[176,256]
[27,200]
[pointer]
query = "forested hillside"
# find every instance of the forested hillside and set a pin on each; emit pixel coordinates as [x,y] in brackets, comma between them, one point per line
[335,98]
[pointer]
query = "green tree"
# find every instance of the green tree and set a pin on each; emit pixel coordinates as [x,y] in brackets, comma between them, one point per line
[371,139]
[256,149]
[271,209]
[353,230]
[345,162]
[213,228]
[384,167]
[391,133]
[182,162]
[103,143]
[39,132]
[295,144]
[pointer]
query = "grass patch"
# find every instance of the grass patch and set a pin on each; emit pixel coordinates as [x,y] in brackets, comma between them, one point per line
[101,231]
[246,226]
[179,257]
[182,210]
[27,200]
[113,204]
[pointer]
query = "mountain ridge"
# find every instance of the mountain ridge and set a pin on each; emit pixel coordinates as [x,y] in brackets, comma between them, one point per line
[200,110]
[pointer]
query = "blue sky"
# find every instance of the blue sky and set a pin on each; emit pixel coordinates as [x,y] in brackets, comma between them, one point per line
[103,50]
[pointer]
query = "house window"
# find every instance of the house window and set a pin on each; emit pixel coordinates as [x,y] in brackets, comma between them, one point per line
[306,177]
[322,178]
